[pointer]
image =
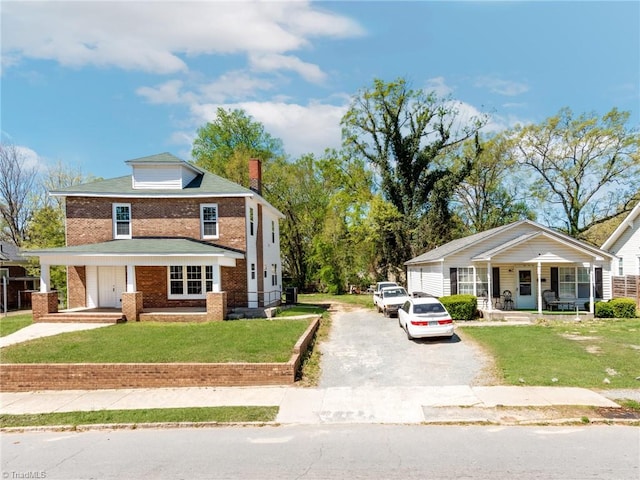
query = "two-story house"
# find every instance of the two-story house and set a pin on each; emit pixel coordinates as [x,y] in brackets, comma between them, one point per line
[168,236]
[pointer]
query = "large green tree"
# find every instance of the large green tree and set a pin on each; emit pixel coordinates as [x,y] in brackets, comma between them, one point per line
[490,195]
[586,168]
[225,145]
[403,134]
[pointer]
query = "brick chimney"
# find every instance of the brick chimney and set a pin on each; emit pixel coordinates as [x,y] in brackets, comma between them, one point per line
[255,175]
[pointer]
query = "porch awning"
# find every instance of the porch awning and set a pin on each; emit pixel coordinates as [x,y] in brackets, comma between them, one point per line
[147,251]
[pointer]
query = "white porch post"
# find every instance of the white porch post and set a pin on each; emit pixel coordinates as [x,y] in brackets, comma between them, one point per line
[131,278]
[45,278]
[216,277]
[489,288]
[539,282]
[592,279]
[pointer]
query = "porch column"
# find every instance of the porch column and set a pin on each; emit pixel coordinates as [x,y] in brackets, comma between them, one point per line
[489,288]
[216,306]
[216,277]
[43,303]
[132,303]
[131,278]
[45,278]
[539,283]
[592,280]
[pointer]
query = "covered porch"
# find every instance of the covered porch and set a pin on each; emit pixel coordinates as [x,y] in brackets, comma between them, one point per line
[538,273]
[137,277]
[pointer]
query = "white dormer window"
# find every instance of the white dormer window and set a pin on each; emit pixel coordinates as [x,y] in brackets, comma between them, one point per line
[121,220]
[209,220]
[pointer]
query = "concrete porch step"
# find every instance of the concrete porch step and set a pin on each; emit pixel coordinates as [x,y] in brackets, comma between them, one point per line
[79,317]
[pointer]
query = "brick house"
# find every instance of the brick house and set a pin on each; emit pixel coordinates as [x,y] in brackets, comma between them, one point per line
[168,236]
[15,283]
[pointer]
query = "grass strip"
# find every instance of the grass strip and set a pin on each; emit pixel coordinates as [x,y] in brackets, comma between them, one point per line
[252,341]
[302,309]
[153,415]
[13,323]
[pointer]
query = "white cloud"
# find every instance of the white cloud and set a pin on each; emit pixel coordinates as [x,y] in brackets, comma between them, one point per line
[159,36]
[439,86]
[274,62]
[497,85]
[166,93]
[234,86]
[302,128]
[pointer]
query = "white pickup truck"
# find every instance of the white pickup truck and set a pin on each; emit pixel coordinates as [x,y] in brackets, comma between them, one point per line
[376,292]
[390,299]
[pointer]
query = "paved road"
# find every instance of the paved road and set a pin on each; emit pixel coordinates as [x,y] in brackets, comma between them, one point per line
[366,349]
[332,451]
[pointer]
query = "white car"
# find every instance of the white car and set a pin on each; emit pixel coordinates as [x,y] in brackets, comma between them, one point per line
[391,299]
[425,317]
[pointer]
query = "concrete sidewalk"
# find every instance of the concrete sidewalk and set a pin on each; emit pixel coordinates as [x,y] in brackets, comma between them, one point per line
[38,330]
[315,405]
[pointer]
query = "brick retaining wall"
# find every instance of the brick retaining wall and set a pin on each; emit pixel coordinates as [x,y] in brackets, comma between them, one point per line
[94,376]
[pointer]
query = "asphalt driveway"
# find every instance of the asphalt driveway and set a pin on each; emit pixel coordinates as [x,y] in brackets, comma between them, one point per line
[366,349]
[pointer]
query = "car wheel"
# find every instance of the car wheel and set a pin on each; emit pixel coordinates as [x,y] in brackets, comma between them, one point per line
[409,337]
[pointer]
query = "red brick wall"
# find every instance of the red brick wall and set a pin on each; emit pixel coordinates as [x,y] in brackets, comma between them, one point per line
[89,220]
[31,377]
[77,287]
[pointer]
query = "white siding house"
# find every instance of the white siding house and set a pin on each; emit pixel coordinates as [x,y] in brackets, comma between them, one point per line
[624,244]
[520,260]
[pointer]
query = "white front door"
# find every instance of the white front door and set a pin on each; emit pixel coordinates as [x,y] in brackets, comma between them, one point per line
[111,285]
[525,291]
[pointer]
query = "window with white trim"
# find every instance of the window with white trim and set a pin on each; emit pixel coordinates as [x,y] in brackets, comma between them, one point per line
[253,271]
[470,277]
[190,281]
[4,272]
[573,282]
[274,274]
[121,220]
[273,231]
[251,221]
[209,220]
[621,267]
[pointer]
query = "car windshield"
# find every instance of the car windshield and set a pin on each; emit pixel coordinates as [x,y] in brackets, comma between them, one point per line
[428,308]
[396,292]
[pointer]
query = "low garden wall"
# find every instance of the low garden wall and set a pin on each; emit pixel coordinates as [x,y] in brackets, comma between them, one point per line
[93,376]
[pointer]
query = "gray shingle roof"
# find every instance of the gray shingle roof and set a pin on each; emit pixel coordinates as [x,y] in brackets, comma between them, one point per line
[10,253]
[143,246]
[457,245]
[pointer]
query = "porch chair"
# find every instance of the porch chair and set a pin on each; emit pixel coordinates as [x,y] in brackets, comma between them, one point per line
[549,299]
[507,302]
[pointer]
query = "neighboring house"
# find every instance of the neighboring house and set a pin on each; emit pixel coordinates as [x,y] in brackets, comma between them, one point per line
[624,244]
[18,284]
[524,258]
[170,235]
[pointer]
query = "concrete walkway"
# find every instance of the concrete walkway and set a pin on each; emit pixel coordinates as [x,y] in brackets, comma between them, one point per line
[316,405]
[37,330]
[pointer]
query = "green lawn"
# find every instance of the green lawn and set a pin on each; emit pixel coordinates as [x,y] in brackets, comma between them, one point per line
[576,354]
[302,309]
[362,300]
[252,341]
[14,323]
[154,415]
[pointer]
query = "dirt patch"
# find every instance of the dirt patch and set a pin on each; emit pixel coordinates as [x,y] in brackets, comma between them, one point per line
[593,349]
[579,338]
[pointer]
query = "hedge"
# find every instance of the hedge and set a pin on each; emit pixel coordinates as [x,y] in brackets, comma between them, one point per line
[616,308]
[461,307]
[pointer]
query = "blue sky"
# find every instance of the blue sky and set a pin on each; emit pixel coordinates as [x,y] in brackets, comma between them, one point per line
[92,84]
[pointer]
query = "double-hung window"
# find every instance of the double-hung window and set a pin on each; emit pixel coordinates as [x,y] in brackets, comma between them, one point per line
[573,282]
[190,281]
[251,221]
[209,220]
[274,274]
[121,220]
[470,277]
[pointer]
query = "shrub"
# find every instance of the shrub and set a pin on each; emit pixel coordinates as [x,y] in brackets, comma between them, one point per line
[603,310]
[616,308]
[461,307]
